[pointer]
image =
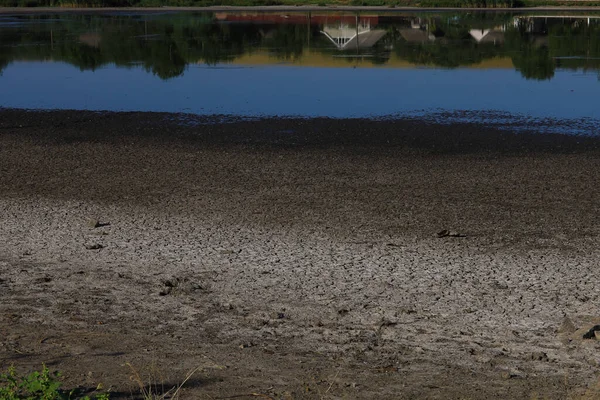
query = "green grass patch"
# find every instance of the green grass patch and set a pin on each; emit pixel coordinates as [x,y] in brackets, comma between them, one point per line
[39,385]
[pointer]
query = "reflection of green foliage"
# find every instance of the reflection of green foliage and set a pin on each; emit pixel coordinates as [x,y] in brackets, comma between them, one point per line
[165,44]
[452,48]
[165,61]
[214,43]
[534,63]
[531,59]
[445,53]
[3,63]
[286,42]
[85,57]
[576,41]
[567,45]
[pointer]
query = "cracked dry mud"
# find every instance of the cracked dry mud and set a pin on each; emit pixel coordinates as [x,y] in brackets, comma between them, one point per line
[299,265]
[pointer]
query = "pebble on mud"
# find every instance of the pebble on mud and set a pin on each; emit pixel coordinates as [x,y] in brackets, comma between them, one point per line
[94,246]
[94,223]
[513,374]
[447,233]
[592,333]
[539,356]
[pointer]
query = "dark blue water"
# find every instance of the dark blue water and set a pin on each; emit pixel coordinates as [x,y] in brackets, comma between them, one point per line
[99,63]
[288,90]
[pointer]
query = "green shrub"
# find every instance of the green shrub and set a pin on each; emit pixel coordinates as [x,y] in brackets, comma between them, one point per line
[38,385]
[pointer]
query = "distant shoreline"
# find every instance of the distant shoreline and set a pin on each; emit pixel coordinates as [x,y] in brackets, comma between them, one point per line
[42,10]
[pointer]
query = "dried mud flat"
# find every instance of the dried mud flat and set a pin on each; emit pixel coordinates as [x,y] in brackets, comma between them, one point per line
[299,258]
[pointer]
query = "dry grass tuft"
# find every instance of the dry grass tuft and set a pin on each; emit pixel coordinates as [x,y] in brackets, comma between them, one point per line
[154,389]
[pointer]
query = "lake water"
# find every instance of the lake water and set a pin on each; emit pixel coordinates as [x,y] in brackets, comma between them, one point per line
[542,68]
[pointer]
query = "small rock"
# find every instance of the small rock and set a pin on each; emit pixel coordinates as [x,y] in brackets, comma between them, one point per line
[95,223]
[592,333]
[95,246]
[387,322]
[498,285]
[226,252]
[443,233]
[447,233]
[512,374]
[171,283]
[539,356]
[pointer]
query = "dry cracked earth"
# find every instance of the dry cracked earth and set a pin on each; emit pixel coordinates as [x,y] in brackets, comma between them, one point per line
[299,258]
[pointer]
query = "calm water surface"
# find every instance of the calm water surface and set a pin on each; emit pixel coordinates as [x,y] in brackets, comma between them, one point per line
[308,64]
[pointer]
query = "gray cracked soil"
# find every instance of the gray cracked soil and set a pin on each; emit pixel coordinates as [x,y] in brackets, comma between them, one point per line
[302,264]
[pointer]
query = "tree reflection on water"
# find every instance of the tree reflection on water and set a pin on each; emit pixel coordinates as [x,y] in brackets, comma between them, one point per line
[165,44]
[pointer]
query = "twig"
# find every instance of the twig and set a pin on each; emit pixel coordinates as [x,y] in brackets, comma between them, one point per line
[332,381]
[189,375]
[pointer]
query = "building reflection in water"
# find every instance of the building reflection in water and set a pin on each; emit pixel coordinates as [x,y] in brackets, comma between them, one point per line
[346,36]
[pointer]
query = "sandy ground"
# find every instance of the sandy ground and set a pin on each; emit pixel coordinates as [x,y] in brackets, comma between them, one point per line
[299,258]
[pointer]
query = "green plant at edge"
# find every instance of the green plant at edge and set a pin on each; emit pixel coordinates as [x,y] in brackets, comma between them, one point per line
[38,385]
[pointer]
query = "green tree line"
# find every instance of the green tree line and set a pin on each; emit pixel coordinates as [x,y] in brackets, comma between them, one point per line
[242,3]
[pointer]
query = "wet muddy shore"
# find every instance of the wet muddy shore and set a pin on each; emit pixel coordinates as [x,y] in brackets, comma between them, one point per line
[299,258]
